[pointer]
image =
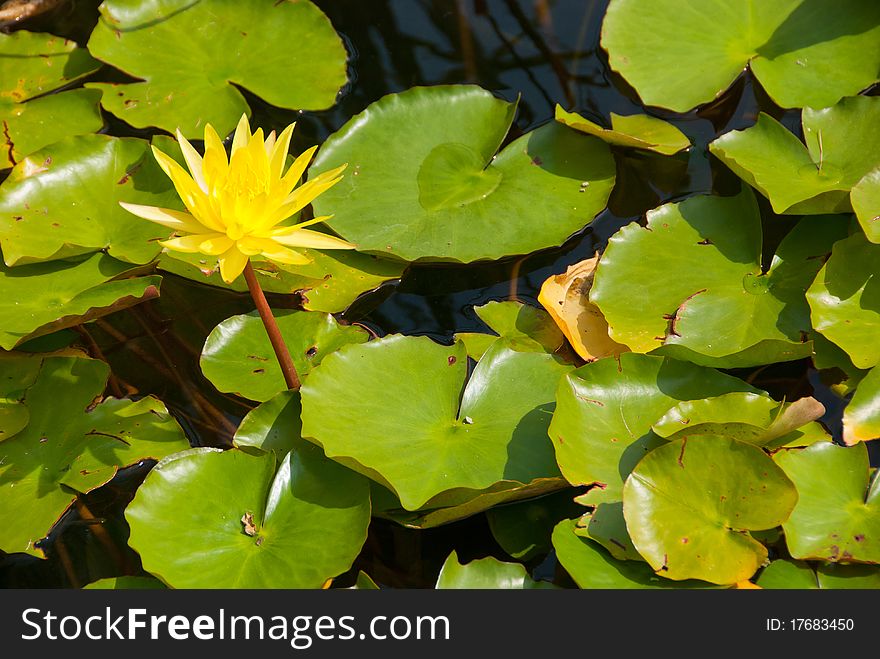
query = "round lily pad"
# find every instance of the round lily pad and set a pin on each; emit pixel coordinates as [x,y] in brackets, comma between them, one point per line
[387,405]
[191,58]
[804,53]
[604,412]
[703,293]
[238,357]
[640,131]
[425,179]
[841,148]
[689,504]
[485,573]
[525,327]
[228,519]
[865,198]
[71,445]
[861,418]
[837,517]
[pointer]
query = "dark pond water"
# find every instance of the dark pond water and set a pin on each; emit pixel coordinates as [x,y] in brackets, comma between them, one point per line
[543,51]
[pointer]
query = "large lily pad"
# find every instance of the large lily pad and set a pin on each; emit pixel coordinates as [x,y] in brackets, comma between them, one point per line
[845,299]
[841,147]
[424,180]
[41,298]
[190,60]
[803,52]
[64,201]
[837,517]
[861,418]
[689,504]
[211,519]
[604,412]
[525,327]
[703,294]
[387,405]
[640,131]
[485,573]
[238,358]
[71,445]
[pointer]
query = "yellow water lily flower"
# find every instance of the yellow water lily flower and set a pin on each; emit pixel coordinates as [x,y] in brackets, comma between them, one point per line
[237,204]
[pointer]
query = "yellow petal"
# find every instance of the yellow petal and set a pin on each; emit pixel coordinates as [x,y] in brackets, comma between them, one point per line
[215,163]
[216,245]
[270,144]
[232,264]
[304,195]
[166,217]
[189,244]
[184,184]
[271,249]
[242,134]
[294,174]
[313,239]
[193,161]
[279,152]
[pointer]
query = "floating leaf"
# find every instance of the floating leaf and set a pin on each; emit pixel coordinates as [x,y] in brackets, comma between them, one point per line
[803,52]
[607,526]
[404,397]
[834,575]
[485,573]
[703,294]
[310,519]
[640,131]
[837,517]
[845,299]
[523,529]
[566,299]
[423,180]
[841,147]
[865,198]
[783,574]
[70,445]
[272,426]
[41,298]
[689,504]
[604,412]
[525,327]
[238,357]
[861,418]
[17,373]
[63,201]
[126,583]
[191,60]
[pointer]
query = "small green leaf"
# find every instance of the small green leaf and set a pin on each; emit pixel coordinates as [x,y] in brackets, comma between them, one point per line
[526,328]
[272,426]
[485,573]
[640,131]
[523,529]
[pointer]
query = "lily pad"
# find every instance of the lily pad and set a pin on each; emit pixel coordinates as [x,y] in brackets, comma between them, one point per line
[841,147]
[639,131]
[604,412]
[485,573]
[126,583]
[238,358]
[71,445]
[837,517]
[784,574]
[865,198]
[703,293]
[523,529]
[41,298]
[861,418]
[607,526]
[803,52]
[689,504]
[525,327]
[227,519]
[63,201]
[272,426]
[330,283]
[17,373]
[190,60]
[845,299]
[384,406]
[424,180]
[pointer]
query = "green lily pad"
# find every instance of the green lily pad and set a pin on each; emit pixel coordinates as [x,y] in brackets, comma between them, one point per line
[63,201]
[526,328]
[31,126]
[845,299]
[407,399]
[837,517]
[228,519]
[238,357]
[604,412]
[71,445]
[784,574]
[41,298]
[485,573]
[835,575]
[640,131]
[17,373]
[803,52]
[689,504]
[424,180]
[841,147]
[126,583]
[861,418]
[523,529]
[607,526]
[330,283]
[272,426]
[787,575]
[865,198]
[190,61]
[703,294]
[748,417]
[364,582]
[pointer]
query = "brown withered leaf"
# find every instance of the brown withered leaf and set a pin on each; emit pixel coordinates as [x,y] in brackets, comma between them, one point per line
[247,521]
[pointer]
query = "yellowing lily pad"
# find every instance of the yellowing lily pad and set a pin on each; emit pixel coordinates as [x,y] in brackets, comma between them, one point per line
[841,148]
[525,328]
[425,179]
[803,52]
[639,131]
[702,292]
[190,60]
[689,504]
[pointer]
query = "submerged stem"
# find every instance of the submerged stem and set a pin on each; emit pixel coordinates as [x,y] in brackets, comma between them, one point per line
[281,351]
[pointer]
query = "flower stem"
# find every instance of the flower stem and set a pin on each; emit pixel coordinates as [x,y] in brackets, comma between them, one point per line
[275,338]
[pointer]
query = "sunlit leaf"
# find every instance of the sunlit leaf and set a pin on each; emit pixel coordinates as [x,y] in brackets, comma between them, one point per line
[640,131]
[485,573]
[861,418]
[525,327]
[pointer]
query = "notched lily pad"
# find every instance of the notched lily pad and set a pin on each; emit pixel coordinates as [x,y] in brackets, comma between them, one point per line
[639,131]
[487,574]
[424,180]
[526,328]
